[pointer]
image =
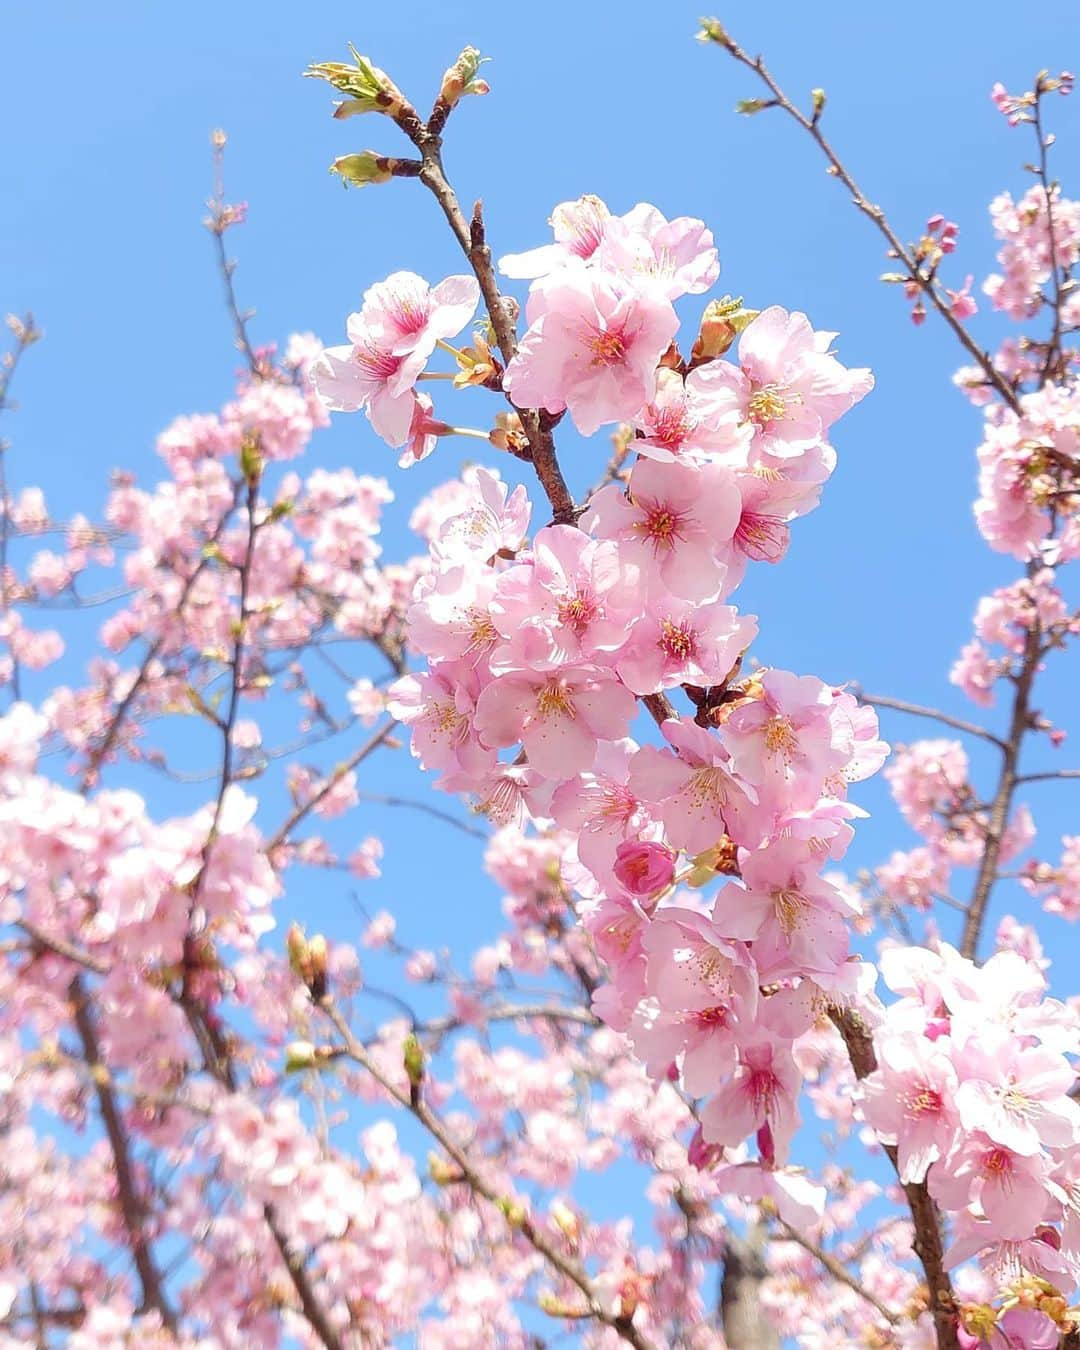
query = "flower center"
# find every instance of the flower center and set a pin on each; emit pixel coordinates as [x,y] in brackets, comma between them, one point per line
[997,1161]
[769,403]
[761,538]
[376,363]
[671,426]
[608,348]
[711,968]
[577,611]
[677,640]
[923,1101]
[483,632]
[790,907]
[447,721]
[618,802]
[780,738]
[707,788]
[554,701]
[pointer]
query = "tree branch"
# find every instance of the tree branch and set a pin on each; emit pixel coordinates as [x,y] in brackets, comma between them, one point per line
[714,32]
[478,1184]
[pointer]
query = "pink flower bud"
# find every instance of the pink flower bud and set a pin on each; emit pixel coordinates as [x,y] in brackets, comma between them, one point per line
[644,869]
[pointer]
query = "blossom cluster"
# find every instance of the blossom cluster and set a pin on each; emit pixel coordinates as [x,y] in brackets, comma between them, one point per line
[539,649]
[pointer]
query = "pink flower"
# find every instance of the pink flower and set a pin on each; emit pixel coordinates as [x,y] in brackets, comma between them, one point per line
[788,384]
[1017,1096]
[367,376]
[405,316]
[1017,1329]
[701,987]
[644,869]
[799,1202]
[573,601]
[491,519]
[687,421]
[693,791]
[439,707]
[677,256]
[558,718]
[592,346]
[677,642]
[761,1094]
[1010,1189]
[909,1101]
[793,917]
[600,809]
[672,524]
[578,226]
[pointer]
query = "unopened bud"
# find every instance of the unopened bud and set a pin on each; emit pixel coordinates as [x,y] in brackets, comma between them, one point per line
[318,956]
[413,1058]
[749,106]
[566,1221]
[462,79]
[817,99]
[443,1173]
[363,169]
[557,1307]
[721,324]
[251,460]
[299,1055]
[712,30]
[513,1211]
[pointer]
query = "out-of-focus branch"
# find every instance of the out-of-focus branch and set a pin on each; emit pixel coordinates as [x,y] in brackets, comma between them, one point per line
[837,1270]
[132,1208]
[414,1102]
[745,1325]
[221,217]
[332,779]
[26,334]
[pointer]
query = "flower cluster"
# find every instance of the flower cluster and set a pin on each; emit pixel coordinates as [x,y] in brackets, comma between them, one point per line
[540,650]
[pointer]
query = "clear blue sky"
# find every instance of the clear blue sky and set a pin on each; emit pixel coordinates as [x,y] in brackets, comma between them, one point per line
[107,111]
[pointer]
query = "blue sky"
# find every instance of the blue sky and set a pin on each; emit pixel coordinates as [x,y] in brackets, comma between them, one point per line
[107,112]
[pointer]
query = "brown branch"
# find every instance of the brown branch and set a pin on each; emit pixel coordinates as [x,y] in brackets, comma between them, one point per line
[132,1207]
[714,32]
[414,1102]
[220,219]
[1019,725]
[934,714]
[743,1318]
[26,334]
[471,237]
[59,947]
[927,1242]
[1050,774]
[101,751]
[331,781]
[838,1271]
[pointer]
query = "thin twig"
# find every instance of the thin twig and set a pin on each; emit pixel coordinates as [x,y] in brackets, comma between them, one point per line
[838,1271]
[479,1185]
[714,32]
[132,1206]
[934,714]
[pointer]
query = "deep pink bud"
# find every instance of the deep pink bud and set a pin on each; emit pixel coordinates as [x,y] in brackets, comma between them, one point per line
[701,1155]
[644,869]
